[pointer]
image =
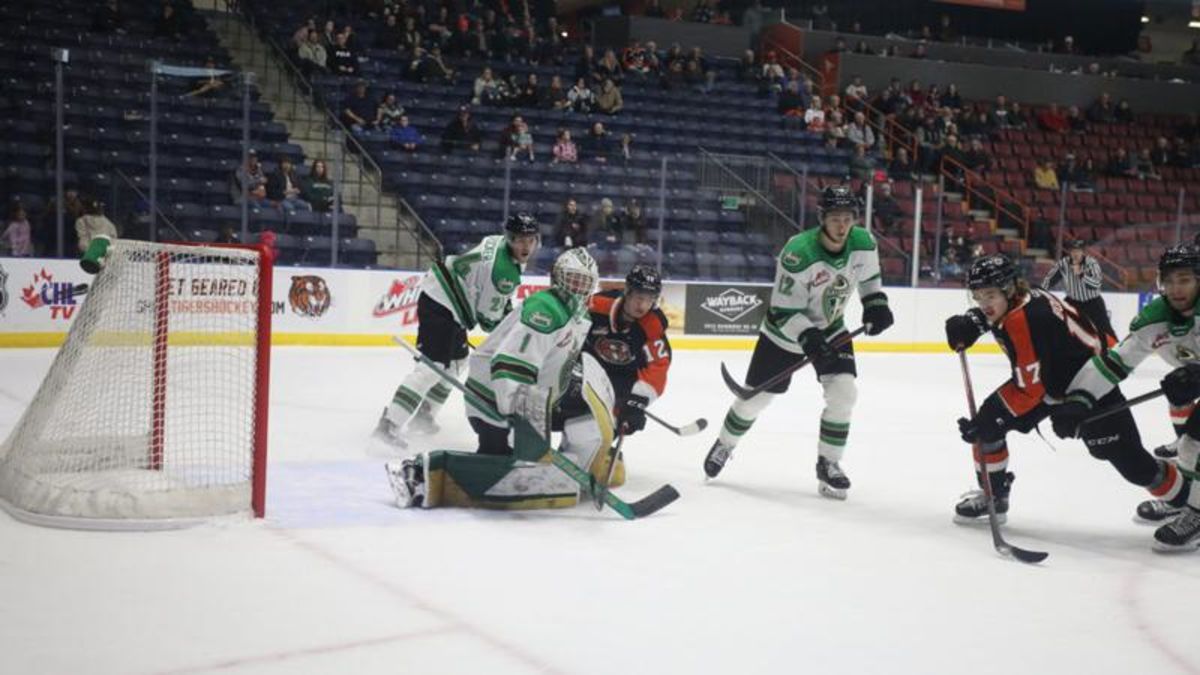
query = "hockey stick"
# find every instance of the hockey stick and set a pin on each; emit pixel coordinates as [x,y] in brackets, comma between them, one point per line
[599,490]
[690,429]
[1002,547]
[628,510]
[1123,405]
[747,393]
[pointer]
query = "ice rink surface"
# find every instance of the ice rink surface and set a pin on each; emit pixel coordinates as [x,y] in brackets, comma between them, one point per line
[751,573]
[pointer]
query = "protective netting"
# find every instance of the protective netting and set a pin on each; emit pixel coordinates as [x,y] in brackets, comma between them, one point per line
[148,411]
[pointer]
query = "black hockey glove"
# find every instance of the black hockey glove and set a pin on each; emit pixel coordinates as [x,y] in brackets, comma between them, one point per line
[818,351]
[962,330]
[633,414]
[1182,385]
[1068,417]
[990,424]
[876,316]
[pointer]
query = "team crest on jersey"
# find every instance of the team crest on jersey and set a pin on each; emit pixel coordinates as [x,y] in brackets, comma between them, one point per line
[790,259]
[615,352]
[818,279]
[1182,353]
[833,300]
[1160,340]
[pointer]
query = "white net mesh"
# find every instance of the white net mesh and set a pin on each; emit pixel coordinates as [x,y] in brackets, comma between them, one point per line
[148,411]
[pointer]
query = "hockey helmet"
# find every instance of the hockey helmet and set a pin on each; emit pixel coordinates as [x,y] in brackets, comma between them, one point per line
[993,271]
[644,278]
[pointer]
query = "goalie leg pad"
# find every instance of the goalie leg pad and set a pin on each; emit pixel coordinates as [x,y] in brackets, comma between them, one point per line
[470,480]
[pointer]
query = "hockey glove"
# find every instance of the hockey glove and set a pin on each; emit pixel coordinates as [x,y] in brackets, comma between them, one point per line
[876,316]
[1182,385]
[818,351]
[1068,417]
[962,330]
[633,414]
[989,424]
[533,405]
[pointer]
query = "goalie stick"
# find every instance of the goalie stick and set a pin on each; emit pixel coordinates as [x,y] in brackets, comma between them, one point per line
[747,393]
[628,510]
[1002,547]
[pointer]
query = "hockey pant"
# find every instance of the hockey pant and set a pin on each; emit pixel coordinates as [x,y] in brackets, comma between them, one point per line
[837,383]
[1114,439]
[519,475]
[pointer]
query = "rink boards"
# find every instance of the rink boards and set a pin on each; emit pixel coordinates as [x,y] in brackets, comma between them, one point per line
[336,307]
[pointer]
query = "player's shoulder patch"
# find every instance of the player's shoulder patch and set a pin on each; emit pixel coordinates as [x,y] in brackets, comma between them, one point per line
[860,239]
[800,251]
[506,273]
[544,312]
[1156,311]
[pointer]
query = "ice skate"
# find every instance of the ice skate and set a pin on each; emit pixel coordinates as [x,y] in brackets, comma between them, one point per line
[1156,511]
[717,456]
[1180,534]
[408,481]
[1168,450]
[972,508]
[388,432]
[833,482]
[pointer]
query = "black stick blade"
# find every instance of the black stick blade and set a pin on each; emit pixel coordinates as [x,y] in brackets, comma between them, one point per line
[1031,557]
[734,386]
[654,501]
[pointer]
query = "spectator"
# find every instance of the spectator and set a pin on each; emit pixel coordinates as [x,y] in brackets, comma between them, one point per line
[772,70]
[1122,165]
[835,128]
[301,34]
[284,189]
[606,224]
[792,103]
[1044,176]
[329,36]
[1102,110]
[1123,114]
[318,188]
[212,85]
[312,54]
[530,95]
[951,98]
[93,223]
[856,94]
[609,99]
[388,113]
[595,144]
[748,68]
[1052,120]
[980,125]
[342,59]
[358,110]
[564,150]
[390,35]
[410,39]
[859,132]
[976,158]
[999,117]
[862,165]
[18,234]
[580,98]
[572,226]
[945,31]
[226,235]
[1085,177]
[1067,46]
[1017,119]
[609,68]
[487,90]
[886,210]
[626,147]
[1145,166]
[433,68]
[167,25]
[517,139]
[1162,154]
[585,67]
[251,182]
[902,166]
[406,137]
[633,223]
[814,117]
[673,77]
[461,133]
[1076,122]
[556,96]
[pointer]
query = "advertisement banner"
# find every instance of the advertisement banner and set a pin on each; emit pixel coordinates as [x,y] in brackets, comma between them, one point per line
[725,309]
[40,295]
[1011,5]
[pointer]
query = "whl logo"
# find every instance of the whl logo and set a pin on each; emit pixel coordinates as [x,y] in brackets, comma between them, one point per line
[731,304]
[401,299]
[59,296]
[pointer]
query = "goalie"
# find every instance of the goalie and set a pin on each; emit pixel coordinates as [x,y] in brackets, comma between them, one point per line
[526,377]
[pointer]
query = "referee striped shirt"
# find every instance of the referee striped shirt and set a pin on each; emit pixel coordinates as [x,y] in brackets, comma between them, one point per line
[1079,287]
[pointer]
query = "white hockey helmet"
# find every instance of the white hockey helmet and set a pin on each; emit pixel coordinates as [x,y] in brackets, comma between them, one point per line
[574,275]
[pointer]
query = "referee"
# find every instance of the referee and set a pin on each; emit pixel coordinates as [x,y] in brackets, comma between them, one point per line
[1080,276]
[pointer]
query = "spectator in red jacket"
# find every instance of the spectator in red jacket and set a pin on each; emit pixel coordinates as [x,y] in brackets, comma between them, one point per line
[1053,120]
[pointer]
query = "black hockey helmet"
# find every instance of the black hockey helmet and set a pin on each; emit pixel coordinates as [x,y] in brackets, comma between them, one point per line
[993,271]
[1179,256]
[1076,244]
[645,279]
[838,198]
[519,224]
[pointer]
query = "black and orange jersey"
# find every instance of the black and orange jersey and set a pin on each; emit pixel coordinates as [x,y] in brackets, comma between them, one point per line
[636,355]
[1047,342]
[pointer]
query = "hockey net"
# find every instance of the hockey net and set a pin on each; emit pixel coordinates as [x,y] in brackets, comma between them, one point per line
[154,412]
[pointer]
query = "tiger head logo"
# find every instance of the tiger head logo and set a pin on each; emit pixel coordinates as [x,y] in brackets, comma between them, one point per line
[309,296]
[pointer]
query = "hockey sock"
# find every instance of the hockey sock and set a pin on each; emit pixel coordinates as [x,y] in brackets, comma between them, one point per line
[1179,417]
[741,417]
[1189,465]
[992,458]
[441,391]
[1168,482]
[840,395]
[408,395]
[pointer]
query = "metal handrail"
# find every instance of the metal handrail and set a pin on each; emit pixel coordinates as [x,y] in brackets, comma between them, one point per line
[749,188]
[1021,216]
